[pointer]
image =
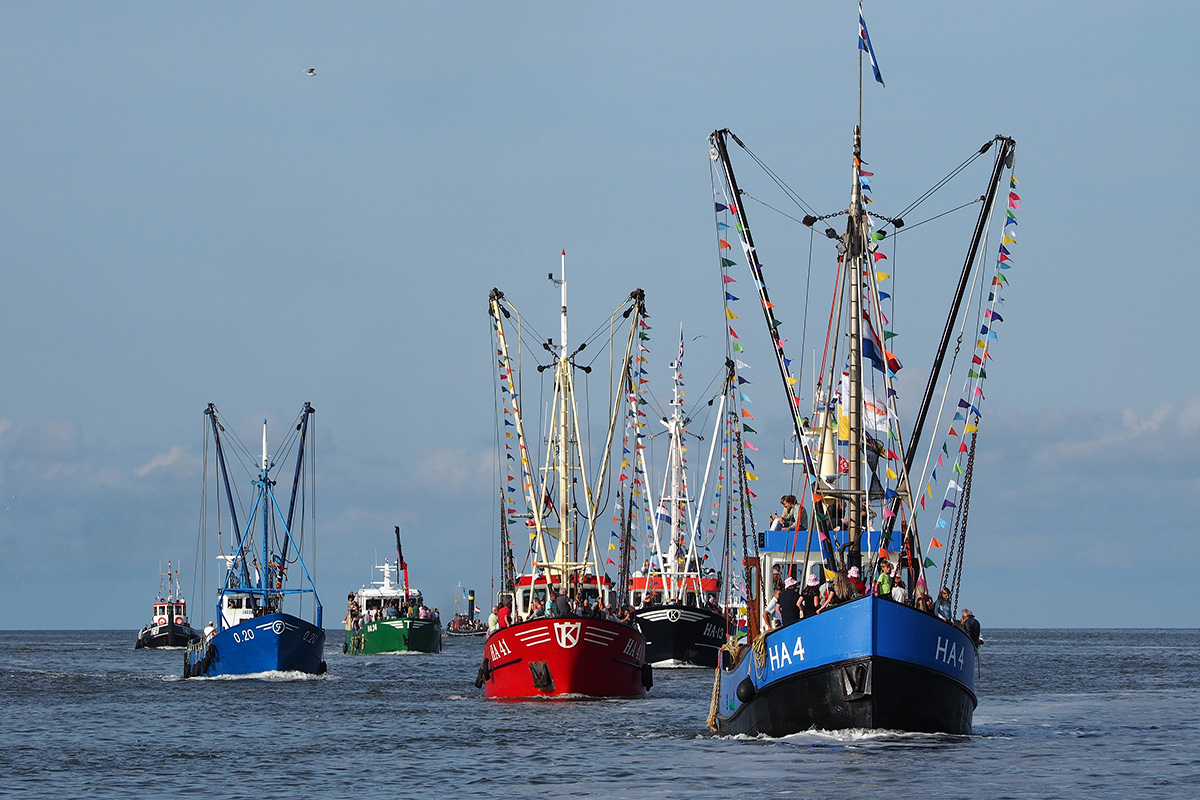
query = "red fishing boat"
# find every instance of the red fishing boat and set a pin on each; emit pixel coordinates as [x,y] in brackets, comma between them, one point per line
[559,631]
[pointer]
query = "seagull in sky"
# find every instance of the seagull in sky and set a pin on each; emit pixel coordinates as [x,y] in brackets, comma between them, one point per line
[312,72]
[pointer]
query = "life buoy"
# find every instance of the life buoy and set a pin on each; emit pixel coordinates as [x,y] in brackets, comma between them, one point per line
[179,620]
[161,620]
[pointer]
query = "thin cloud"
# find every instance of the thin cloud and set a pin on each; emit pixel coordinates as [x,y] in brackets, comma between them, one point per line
[176,460]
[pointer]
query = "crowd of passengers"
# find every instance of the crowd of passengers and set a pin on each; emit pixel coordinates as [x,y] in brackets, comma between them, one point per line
[560,605]
[392,609]
[792,603]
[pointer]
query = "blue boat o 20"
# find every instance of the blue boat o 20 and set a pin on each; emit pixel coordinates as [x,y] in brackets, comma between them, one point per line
[252,631]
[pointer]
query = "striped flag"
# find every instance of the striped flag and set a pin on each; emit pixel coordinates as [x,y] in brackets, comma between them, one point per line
[864,43]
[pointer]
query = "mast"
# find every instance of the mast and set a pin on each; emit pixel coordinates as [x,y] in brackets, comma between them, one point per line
[562,468]
[1004,156]
[263,574]
[271,579]
[720,152]
[855,246]
[564,432]
[304,412]
[211,413]
[404,564]
[674,427]
[1003,159]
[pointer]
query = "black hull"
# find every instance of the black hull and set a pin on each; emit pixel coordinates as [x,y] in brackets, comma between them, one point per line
[681,634]
[179,636]
[869,692]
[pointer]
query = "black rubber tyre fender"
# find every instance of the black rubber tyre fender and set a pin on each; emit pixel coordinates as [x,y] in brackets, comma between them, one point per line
[485,672]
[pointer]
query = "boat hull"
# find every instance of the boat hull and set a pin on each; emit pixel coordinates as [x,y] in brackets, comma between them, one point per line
[681,635]
[569,656]
[166,636]
[866,664]
[395,636]
[274,642]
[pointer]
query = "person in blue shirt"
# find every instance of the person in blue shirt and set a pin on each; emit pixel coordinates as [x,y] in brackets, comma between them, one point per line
[942,608]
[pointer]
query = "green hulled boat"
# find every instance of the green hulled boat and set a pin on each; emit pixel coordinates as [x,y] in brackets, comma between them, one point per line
[389,618]
[396,636]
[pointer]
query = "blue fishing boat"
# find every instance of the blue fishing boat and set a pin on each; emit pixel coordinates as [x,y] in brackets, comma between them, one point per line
[254,630]
[852,647]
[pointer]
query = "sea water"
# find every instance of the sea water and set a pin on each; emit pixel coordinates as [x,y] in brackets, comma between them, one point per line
[1062,713]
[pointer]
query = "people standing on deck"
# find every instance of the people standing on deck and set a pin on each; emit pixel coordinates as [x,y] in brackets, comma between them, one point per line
[856,582]
[561,603]
[504,614]
[771,611]
[942,608]
[899,593]
[209,631]
[971,626]
[883,583]
[494,620]
[789,602]
[810,597]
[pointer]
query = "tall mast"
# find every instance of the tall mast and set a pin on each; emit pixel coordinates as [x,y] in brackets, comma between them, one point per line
[266,515]
[720,153]
[211,413]
[854,255]
[675,465]
[564,432]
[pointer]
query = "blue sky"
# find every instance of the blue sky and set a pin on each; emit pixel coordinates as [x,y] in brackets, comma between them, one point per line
[187,218]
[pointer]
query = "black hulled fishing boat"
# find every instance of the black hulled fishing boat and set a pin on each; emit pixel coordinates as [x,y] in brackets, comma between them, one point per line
[870,658]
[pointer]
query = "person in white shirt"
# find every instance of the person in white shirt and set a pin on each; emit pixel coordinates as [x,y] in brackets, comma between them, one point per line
[771,612]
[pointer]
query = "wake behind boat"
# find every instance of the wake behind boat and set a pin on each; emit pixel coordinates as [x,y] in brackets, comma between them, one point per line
[388,618]
[544,645]
[872,656]
[254,632]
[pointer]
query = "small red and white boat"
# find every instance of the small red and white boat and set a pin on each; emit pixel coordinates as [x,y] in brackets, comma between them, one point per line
[168,626]
[577,646]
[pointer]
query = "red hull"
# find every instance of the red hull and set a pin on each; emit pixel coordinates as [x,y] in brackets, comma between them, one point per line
[574,655]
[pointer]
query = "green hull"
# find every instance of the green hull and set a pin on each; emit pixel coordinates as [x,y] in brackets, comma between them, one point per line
[396,636]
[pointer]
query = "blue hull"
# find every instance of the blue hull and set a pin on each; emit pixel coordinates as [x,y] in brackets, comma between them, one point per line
[870,663]
[275,642]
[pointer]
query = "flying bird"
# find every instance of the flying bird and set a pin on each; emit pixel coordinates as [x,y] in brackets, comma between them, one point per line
[311,72]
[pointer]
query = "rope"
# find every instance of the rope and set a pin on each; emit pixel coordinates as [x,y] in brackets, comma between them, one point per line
[759,648]
[960,526]
[711,722]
